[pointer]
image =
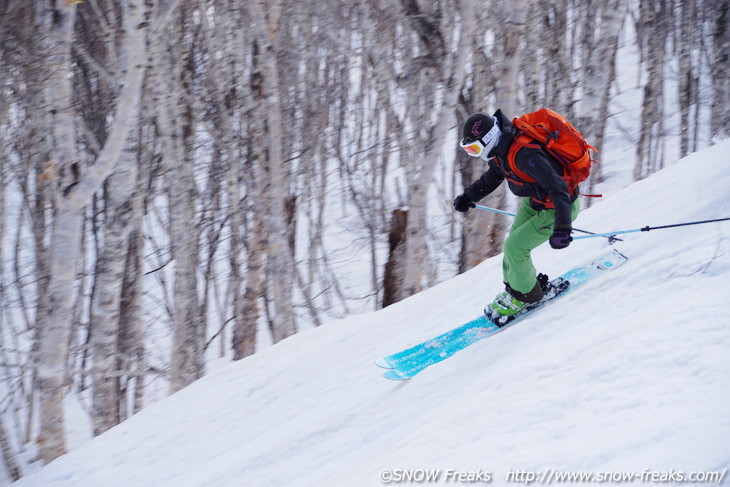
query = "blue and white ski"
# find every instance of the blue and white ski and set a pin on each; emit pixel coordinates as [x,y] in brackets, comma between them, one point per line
[409,362]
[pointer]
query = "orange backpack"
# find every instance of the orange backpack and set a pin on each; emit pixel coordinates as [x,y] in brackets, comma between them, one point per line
[551,132]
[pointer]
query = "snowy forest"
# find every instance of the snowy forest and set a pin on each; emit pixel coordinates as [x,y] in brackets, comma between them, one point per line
[186,181]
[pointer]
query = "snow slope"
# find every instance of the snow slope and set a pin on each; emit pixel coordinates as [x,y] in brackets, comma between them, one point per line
[630,373]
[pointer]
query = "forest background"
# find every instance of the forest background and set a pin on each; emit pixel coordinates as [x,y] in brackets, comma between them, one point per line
[184,181]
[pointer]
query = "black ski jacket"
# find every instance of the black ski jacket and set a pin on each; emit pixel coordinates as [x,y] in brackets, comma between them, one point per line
[546,172]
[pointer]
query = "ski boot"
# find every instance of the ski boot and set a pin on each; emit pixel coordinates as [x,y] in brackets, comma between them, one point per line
[504,309]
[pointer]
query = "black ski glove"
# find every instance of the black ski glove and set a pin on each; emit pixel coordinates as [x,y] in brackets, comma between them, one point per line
[462,203]
[561,236]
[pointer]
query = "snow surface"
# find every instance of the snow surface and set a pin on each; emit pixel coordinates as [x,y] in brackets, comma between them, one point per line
[631,372]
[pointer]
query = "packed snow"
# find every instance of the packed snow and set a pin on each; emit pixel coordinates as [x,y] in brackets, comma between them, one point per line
[629,375]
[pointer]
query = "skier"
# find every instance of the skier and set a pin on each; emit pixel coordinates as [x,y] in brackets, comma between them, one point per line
[546,212]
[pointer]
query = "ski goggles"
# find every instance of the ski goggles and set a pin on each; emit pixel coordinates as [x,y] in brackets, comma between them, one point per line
[484,145]
[472,147]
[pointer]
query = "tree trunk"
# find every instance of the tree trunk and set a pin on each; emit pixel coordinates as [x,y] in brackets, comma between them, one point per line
[509,61]
[559,87]
[106,398]
[449,74]
[131,324]
[6,449]
[652,32]
[599,43]
[720,78]
[187,363]
[247,307]
[395,265]
[54,324]
[280,261]
[76,188]
[188,326]
[686,89]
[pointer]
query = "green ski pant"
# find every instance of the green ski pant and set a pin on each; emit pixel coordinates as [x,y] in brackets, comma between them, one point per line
[530,229]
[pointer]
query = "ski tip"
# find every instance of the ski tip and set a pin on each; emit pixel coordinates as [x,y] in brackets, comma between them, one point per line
[395,374]
[383,363]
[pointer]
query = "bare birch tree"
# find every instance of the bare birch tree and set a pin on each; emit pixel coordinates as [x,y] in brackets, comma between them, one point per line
[74,188]
[438,71]
[720,74]
[686,43]
[131,345]
[177,120]
[511,31]
[652,30]
[53,325]
[8,454]
[105,335]
[266,18]
[601,24]
[7,448]
[249,219]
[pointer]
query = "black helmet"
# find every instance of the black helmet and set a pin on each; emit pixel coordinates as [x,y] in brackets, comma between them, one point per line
[476,126]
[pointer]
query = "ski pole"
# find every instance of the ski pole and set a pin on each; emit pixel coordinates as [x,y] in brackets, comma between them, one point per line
[610,238]
[647,228]
[494,210]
